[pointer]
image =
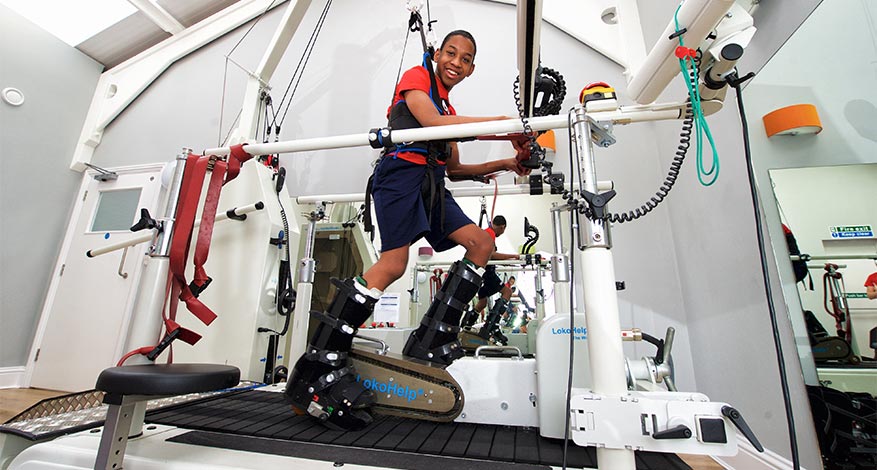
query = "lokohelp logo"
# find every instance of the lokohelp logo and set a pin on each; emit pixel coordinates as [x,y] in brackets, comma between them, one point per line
[579,332]
[391,388]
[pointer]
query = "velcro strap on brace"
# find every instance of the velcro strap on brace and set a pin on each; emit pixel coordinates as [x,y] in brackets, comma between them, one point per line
[452,349]
[340,325]
[433,324]
[449,300]
[330,378]
[460,269]
[353,391]
[332,358]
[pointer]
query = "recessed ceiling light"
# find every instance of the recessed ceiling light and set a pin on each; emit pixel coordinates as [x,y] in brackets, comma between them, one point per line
[13,96]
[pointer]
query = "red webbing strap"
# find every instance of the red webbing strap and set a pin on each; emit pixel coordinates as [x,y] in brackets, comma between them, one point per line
[208,215]
[186,334]
[190,194]
[237,156]
[170,323]
[187,207]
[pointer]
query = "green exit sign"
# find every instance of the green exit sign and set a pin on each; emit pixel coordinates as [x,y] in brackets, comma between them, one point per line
[851,231]
[857,295]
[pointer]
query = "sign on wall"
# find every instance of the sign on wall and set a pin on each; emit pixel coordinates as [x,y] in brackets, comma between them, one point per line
[851,231]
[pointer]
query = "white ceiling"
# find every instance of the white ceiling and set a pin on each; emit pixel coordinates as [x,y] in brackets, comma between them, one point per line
[112,31]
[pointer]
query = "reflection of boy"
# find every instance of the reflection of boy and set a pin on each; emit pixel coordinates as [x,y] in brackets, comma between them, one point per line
[871,286]
[492,282]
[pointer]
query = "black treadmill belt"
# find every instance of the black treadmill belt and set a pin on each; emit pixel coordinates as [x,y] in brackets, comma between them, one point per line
[416,437]
[259,421]
[459,440]
[503,446]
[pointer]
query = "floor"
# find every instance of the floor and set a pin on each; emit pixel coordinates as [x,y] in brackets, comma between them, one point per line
[16,400]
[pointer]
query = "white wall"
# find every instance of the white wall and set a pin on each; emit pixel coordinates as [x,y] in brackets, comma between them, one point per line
[36,187]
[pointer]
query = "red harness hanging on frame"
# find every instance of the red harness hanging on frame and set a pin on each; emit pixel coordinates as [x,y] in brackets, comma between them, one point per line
[190,195]
[194,175]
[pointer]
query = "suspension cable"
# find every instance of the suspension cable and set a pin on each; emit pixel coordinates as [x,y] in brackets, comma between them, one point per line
[299,69]
[225,74]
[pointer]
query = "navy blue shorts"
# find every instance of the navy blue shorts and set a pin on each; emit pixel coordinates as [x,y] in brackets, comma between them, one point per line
[492,283]
[402,218]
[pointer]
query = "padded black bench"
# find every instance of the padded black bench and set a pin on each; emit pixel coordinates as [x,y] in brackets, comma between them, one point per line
[124,387]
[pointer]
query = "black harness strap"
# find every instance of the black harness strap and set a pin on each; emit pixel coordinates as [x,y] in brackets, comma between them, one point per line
[415,23]
[435,152]
[367,223]
[434,188]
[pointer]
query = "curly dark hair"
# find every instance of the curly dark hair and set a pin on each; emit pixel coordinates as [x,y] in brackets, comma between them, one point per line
[465,34]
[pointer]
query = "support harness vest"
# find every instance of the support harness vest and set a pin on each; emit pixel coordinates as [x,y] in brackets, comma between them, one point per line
[436,152]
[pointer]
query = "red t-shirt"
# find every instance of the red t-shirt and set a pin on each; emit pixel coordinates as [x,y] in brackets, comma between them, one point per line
[417,78]
[491,232]
[872,280]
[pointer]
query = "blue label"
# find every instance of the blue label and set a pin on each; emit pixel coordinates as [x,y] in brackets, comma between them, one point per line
[391,388]
[580,332]
[861,234]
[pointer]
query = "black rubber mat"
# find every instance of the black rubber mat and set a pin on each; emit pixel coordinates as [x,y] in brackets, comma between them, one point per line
[389,442]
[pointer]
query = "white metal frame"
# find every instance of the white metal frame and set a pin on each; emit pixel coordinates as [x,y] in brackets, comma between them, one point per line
[119,86]
[158,15]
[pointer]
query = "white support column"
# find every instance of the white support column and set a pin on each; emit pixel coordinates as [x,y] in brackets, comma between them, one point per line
[630,35]
[601,300]
[121,85]
[583,20]
[252,105]
[529,28]
[158,15]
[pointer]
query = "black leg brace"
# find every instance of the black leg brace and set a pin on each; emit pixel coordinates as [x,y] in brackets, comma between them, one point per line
[491,326]
[469,317]
[436,338]
[322,384]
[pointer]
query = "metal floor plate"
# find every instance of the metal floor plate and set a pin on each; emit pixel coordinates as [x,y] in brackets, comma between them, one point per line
[66,414]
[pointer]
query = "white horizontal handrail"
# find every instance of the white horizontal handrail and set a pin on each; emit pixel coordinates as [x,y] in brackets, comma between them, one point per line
[623,115]
[147,236]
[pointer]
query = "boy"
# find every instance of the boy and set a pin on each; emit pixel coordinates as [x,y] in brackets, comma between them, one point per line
[410,203]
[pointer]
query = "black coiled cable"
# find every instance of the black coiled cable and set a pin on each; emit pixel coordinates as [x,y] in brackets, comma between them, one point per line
[669,180]
[528,131]
[552,107]
[559,92]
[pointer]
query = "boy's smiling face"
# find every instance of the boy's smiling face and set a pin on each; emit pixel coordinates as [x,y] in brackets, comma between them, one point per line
[455,61]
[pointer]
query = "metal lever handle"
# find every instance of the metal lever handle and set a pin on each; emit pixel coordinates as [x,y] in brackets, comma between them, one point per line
[737,419]
[668,344]
[383,349]
[677,432]
[122,264]
[520,357]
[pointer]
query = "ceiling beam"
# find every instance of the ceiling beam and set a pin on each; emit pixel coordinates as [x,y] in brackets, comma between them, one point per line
[119,86]
[158,15]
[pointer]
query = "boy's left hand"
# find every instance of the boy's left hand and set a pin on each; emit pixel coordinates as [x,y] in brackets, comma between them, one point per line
[513,164]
